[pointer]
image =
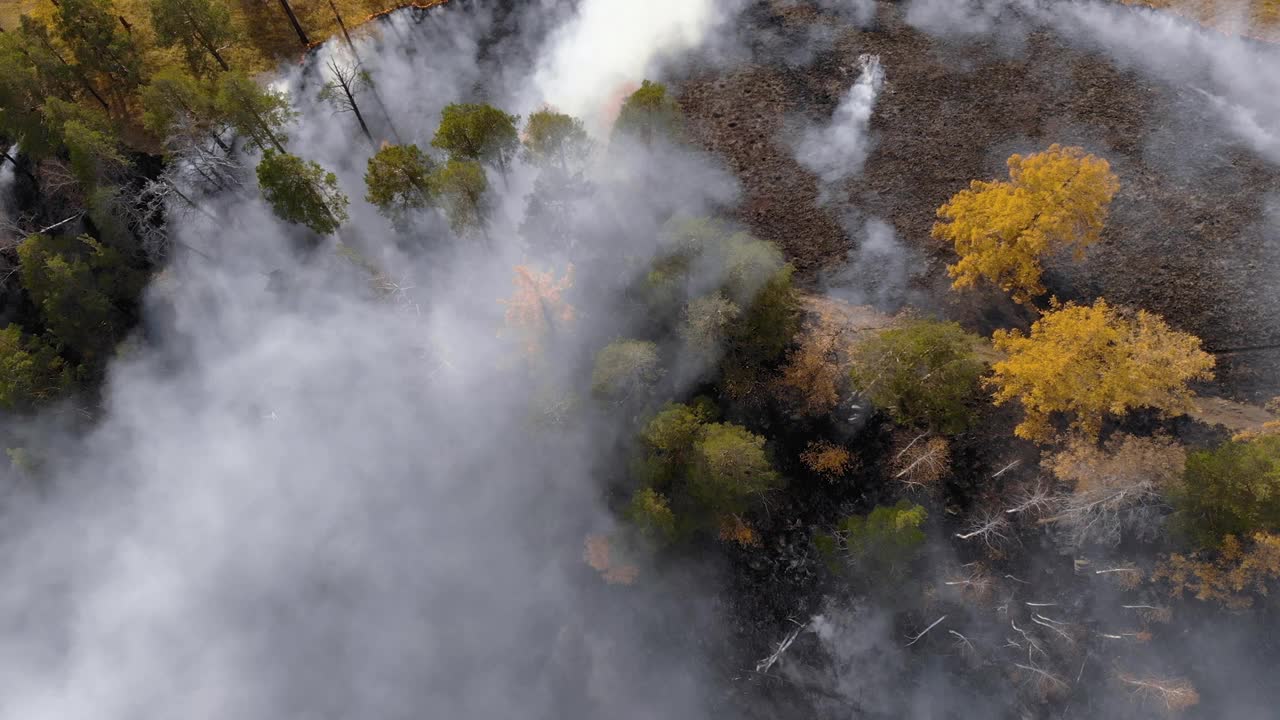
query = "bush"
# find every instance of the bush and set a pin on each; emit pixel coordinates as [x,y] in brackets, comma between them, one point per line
[31,372]
[729,467]
[1233,489]
[923,372]
[650,512]
[882,542]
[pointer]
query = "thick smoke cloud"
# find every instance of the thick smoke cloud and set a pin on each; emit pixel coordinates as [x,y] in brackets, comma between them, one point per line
[305,500]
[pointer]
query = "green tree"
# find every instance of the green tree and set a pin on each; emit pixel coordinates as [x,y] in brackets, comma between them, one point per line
[462,186]
[555,138]
[883,542]
[649,113]
[625,369]
[198,27]
[82,288]
[651,514]
[255,112]
[399,181]
[669,439]
[31,371]
[59,76]
[707,324]
[1233,489]
[729,469]
[21,94]
[92,29]
[923,372]
[89,138]
[481,133]
[300,191]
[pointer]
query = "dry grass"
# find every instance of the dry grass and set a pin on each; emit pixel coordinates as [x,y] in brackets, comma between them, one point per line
[267,36]
[1254,18]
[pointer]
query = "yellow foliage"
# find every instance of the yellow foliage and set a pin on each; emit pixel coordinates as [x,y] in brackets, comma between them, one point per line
[538,309]
[1090,361]
[828,460]
[1001,229]
[1231,578]
[734,529]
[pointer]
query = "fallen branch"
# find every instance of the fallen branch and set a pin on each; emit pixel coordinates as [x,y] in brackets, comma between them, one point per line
[922,632]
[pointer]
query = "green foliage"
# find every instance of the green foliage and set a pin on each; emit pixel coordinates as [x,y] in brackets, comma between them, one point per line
[399,181]
[882,542]
[649,113]
[625,369]
[462,186]
[80,287]
[31,371]
[707,323]
[923,372]
[198,27]
[729,468]
[552,137]
[254,111]
[89,138]
[22,92]
[174,98]
[92,29]
[651,513]
[1233,489]
[302,192]
[669,439]
[481,133]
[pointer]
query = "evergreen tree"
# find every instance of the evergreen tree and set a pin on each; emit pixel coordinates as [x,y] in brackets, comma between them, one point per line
[200,28]
[302,192]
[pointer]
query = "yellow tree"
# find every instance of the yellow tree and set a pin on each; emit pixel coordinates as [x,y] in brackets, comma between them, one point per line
[1088,361]
[1002,228]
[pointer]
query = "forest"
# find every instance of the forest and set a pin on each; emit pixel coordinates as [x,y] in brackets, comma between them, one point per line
[694,358]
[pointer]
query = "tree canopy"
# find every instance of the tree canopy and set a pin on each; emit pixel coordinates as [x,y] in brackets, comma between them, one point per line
[1233,489]
[31,371]
[625,369]
[649,113]
[1001,229]
[923,372]
[199,28]
[481,133]
[463,188]
[555,138]
[399,180]
[1087,362]
[302,192]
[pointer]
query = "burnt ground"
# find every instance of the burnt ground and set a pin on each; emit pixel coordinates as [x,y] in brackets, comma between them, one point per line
[1187,237]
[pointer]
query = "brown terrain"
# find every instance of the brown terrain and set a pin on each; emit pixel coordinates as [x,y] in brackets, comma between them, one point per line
[1186,238]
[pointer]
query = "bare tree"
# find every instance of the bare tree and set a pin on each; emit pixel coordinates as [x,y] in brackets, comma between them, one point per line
[346,80]
[922,461]
[1174,693]
[1115,489]
[991,527]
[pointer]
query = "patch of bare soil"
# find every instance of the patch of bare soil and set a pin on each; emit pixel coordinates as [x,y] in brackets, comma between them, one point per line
[1189,236]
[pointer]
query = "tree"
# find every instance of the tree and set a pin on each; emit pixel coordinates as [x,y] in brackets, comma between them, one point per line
[1090,361]
[1233,489]
[81,288]
[302,192]
[649,113]
[923,372]
[92,30]
[1176,694]
[882,542]
[255,112]
[481,133]
[827,459]
[1231,576]
[1001,229]
[625,369]
[729,468]
[537,311]
[35,42]
[812,379]
[89,139]
[22,92]
[198,27]
[462,188]
[345,82]
[31,372]
[651,514]
[920,461]
[297,26]
[1115,488]
[399,181]
[706,324]
[552,137]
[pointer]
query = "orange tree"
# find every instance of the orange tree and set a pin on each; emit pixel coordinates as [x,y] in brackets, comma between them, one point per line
[1002,228]
[1089,361]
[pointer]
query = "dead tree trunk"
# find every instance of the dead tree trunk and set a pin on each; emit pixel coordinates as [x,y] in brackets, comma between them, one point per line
[297,26]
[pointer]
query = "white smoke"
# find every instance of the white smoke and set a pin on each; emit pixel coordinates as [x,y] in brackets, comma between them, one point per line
[612,45]
[838,150]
